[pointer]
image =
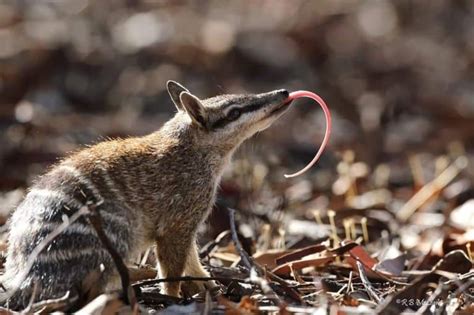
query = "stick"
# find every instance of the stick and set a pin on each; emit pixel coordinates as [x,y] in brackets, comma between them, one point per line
[249,262]
[207,249]
[243,254]
[366,283]
[96,221]
[187,279]
[32,298]
[51,304]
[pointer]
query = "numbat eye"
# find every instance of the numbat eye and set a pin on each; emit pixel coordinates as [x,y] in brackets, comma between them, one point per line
[234,114]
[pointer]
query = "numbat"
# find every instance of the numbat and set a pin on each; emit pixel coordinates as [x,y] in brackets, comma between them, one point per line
[151,190]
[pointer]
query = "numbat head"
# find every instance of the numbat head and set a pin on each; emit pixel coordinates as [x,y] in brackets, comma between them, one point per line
[223,122]
[152,190]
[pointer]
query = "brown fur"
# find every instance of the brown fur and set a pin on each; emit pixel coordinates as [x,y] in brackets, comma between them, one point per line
[161,187]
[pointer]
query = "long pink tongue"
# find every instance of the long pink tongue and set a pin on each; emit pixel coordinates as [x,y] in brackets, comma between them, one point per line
[298,94]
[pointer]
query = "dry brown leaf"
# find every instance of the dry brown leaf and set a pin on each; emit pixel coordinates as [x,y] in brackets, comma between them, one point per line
[285,269]
[269,257]
[300,253]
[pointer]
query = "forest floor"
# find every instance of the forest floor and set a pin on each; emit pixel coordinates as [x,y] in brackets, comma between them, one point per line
[383,223]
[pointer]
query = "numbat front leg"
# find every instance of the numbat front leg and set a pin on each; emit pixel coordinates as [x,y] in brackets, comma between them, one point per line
[172,252]
[162,182]
[194,268]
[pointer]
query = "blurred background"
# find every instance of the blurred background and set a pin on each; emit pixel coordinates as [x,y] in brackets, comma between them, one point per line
[398,76]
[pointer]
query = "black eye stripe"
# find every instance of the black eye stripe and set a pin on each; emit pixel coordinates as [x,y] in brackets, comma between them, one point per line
[246,109]
[220,123]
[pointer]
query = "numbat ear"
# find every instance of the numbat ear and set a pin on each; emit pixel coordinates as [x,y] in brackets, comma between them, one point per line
[174,90]
[192,105]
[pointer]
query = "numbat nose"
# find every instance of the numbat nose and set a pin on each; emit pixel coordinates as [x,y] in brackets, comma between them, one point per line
[283,93]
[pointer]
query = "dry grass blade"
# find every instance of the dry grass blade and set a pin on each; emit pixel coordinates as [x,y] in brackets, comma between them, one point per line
[427,191]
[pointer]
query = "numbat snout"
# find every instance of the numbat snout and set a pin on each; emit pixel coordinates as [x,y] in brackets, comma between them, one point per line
[151,190]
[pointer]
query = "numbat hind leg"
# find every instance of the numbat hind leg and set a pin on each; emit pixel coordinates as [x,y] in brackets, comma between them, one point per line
[172,253]
[194,268]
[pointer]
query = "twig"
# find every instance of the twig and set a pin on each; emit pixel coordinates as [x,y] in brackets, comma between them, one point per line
[442,287]
[424,307]
[158,298]
[207,249]
[145,257]
[290,291]
[366,283]
[187,279]
[51,304]
[468,275]
[249,262]
[96,221]
[463,287]
[243,254]
[264,286]
[350,288]
[339,292]
[39,248]
[32,298]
